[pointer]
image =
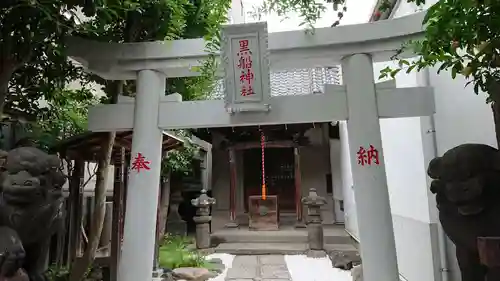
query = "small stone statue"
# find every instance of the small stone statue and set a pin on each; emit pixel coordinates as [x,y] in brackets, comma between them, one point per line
[313,202]
[466,181]
[30,210]
[202,219]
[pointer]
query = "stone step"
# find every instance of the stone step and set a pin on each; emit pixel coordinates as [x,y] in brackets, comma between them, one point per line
[277,248]
[332,236]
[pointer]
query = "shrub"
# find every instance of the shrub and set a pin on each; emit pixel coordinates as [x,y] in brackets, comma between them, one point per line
[174,253]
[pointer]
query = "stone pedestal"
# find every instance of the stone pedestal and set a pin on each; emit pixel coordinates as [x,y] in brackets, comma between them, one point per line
[300,224]
[202,219]
[313,203]
[175,224]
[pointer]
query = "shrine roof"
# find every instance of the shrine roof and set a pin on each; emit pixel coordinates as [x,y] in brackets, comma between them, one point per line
[282,132]
[87,146]
[304,81]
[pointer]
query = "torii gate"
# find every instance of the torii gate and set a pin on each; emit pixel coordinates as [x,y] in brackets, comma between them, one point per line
[358,101]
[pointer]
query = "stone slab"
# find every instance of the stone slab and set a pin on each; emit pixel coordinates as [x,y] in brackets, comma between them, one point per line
[245,261]
[257,279]
[258,268]
[272,259]
[261,248]
[274,272]
[242,272]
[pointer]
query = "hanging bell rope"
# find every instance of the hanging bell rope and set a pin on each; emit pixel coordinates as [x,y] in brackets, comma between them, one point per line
[262,146]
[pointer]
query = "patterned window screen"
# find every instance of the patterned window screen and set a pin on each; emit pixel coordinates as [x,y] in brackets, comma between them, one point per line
[295,82]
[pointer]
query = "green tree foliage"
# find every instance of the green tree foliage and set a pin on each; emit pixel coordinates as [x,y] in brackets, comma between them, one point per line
[45,71]
[33,64]
[180,161]
[169,20]
[64,116]
[460,36]
[309,10]
[43,78]
[32,33]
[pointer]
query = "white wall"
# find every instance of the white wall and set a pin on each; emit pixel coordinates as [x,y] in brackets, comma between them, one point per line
[336,171]
[461,116]
[404,159]
[351,218]
[402,141]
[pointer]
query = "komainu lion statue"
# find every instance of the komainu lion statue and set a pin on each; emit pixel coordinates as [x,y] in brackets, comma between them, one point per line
[30,211]
[466,181]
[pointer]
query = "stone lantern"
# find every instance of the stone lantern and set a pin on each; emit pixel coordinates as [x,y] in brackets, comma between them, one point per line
[202,219]
[313,203]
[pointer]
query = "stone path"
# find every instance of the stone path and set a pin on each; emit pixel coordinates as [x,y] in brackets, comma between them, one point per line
[259,268]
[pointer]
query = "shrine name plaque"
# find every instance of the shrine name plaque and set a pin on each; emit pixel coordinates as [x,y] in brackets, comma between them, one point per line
[263,214]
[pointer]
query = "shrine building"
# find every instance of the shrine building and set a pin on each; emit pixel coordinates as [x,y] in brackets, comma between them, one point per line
[296,158]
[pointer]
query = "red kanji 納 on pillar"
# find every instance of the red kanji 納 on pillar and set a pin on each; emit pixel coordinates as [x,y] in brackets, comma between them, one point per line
[368,157]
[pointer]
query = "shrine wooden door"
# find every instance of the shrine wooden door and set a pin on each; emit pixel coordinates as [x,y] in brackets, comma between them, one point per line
[280,179]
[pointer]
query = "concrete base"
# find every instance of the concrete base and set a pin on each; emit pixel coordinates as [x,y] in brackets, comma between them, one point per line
[278,248]
[316,254]
[285,241]
[332,235]
[231,224]
[300,224]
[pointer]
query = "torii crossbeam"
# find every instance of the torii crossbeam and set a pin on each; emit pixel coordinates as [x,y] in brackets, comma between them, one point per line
[392,102]
[359,101]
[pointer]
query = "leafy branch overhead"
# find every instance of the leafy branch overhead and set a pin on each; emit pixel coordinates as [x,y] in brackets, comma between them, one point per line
[460,36]
[64,116]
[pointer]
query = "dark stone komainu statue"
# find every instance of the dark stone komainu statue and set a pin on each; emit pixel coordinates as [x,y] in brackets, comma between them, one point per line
[30,210]
[466,181]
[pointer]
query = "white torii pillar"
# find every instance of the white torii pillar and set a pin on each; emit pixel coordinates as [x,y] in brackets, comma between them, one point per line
[139,235]
[359,102]
[376,232]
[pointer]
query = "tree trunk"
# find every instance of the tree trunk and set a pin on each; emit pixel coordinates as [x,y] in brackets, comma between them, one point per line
[164,205]
[495,106]
[80,266]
